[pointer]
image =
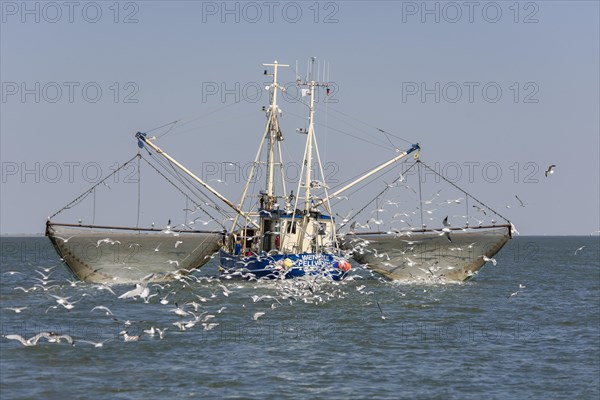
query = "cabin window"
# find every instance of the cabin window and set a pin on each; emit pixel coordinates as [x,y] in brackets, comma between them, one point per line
[322,228]
[291,227]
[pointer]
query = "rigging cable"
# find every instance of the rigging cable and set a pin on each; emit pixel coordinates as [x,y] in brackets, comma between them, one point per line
[179,189]
[464,191]
[420,196]
[82,196]
[387,187]
[372,126]
[139,195]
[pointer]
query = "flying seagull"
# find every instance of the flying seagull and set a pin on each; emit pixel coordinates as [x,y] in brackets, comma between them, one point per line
[550,170]
[381,311]
[520,201]
[446,229]
[480,209]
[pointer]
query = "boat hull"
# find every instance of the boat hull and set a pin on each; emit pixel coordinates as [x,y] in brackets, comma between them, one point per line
[124,255]
[283,266]
[427,256]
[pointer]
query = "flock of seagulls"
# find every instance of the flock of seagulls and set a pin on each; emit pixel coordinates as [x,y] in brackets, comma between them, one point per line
[189,302]
[196,299]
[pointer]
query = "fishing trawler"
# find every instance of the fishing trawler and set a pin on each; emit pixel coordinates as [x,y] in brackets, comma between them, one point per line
[276,234]
[282,235]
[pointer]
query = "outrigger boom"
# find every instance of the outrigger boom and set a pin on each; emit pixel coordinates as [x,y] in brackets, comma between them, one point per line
[144,140]
[375,170]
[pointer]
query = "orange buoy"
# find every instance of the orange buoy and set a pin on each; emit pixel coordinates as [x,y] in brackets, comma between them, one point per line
[344,265]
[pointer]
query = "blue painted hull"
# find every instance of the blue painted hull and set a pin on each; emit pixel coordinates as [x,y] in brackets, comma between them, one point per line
[274,266]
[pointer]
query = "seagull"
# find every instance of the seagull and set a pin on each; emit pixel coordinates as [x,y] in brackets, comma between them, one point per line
[179,311]
[579,249]
[446,229]
[129,338]
[31,289]
[513,294]
[140,290]
[257,315]
[171,262]
[480,209]
[513,229]
[32,341]
[61,300]
[450,201]
[55,338]
[209,325]
[520,201]
[192,222]
[161,332]
[150,332]
[177,243]
[95,344]
[550,170]
[44,277]
[180,325]
[108,312]
[15,309]
[164,300]
[381,311]
[225,290]
[218,180]
[358,225]
[64,240]
[69,305]
[12,273]
[106,240]
[486,259]
[104,287]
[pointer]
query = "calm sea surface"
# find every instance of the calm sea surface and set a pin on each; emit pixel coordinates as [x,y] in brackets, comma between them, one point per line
[453,341]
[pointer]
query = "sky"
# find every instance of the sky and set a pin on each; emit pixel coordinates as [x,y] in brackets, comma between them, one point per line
[494,92]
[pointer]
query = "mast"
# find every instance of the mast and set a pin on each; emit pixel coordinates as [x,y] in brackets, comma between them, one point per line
[309,144]
[306,182]
[273,131]
[311,84]
[272,134]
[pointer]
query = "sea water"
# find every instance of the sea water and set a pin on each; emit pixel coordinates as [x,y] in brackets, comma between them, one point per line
[528,327]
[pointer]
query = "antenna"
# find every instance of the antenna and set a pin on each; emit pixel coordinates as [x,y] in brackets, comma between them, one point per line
[297,76]
[318,70]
